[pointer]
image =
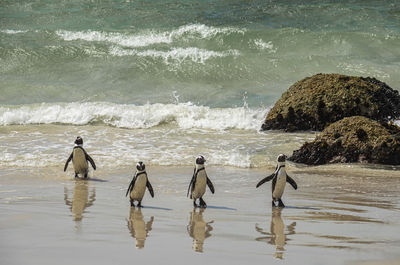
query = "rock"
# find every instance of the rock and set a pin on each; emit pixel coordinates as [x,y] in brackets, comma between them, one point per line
[352,139]
[317,101]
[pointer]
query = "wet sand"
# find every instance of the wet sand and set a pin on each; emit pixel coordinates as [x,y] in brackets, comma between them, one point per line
[339,215]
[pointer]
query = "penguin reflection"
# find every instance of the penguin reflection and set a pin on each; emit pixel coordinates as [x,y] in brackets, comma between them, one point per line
[277,236]
[138,228]
[81,199]
[198,229]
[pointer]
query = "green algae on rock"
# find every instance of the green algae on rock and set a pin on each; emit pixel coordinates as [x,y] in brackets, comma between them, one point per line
[352,139]
[317,101]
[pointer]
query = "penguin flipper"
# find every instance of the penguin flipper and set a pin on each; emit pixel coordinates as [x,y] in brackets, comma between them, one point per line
[91,161]
[131,185]
[273,187]
[210,185]
[68,160]
[192,184]
[291,182]
[266,179]
[150,188]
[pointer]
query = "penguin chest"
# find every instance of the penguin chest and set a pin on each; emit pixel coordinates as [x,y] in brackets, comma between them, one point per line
[138,190]
[280,185]
[200,185]
[79,161]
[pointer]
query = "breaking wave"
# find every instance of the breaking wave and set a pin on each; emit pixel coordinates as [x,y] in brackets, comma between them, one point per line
[187,32]
[176,54]
[183,115]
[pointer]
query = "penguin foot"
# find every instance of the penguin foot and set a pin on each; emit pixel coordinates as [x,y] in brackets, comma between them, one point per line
[202,203]
[85,176]
[76,175]
[280,203]
[273,204]
[194,204]
[132,203]
[140,205]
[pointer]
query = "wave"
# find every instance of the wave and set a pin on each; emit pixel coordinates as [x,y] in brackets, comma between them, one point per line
[12,31]
[183,115]
[123,158]
[192,31]
[176,54]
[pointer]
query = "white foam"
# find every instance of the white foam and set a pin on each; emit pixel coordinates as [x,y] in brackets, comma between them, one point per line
[175,55]
[260,44]
[184,115]
[182,54]
[11,31]
[116,38]
[150,37]
[120,52]
[194,30]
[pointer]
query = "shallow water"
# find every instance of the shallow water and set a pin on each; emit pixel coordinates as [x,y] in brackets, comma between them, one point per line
[50,145]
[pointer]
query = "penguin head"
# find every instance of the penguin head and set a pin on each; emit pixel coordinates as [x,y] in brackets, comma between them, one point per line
[79,140]
[281,158]
[140,166]
[200,160]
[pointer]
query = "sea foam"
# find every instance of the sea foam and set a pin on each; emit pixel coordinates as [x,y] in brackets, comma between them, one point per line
[176,55]
[143,39]
[12,31]
[183,115]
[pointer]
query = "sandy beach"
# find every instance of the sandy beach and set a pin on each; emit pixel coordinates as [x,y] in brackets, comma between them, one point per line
[343,214]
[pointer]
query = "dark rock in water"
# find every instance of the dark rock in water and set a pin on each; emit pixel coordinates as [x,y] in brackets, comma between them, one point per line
[315,102]
[352,139]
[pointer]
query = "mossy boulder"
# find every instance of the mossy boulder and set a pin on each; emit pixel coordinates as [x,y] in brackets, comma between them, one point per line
[319,100]
[352,139]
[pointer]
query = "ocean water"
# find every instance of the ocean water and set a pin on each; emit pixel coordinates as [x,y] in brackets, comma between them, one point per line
[164,81]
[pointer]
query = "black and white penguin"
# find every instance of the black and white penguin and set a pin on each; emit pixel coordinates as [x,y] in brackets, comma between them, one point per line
[79,159]
[279,179]
[197,186]
[138,185]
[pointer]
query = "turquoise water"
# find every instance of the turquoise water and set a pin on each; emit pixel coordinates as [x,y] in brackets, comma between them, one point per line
[213,66]
[208,52]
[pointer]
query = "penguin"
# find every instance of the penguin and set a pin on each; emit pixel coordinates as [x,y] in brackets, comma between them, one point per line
[279,179]
[79,159]
[138,185]
[197,186]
